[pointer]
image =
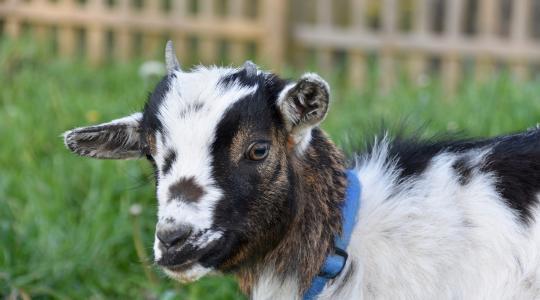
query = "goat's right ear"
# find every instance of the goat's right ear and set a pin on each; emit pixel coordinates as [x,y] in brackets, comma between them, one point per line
[118,139]
[304,105]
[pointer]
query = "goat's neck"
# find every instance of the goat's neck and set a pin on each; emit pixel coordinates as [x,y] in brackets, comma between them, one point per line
[319,189]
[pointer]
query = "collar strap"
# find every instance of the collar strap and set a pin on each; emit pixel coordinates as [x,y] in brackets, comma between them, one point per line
[335,262]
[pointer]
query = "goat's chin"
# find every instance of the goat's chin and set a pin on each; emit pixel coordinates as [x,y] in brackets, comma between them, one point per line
[190,274]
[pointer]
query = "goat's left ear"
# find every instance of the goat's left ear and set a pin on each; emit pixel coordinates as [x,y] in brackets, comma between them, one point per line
[304,105]
[118,139]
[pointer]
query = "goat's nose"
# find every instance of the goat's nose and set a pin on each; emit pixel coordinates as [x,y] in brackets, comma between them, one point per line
[173,236]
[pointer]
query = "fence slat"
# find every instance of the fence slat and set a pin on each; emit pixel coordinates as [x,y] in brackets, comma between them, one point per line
[358,14]
[324,12]
[451,61]
[417,59]
[95,44]
[324,19]
[357,69]
[357,60]
[179,11]
[389,22]
[95,34]
[12,25]
[237,50]
[123,37]
[518,34]
[272,42]
[487,24]
[67,41]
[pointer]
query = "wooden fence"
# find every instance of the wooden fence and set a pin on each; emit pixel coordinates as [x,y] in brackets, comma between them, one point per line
[205,28]
[433,31]
[417,36]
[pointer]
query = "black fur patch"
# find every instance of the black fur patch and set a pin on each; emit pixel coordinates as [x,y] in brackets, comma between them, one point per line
[463,170]
[513,159]
[151,122]
[191,108]
[242,78]
[241,181]
[170,158]
[414,155]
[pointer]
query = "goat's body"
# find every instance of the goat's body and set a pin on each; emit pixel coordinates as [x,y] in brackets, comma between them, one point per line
[443,228]
[256,189]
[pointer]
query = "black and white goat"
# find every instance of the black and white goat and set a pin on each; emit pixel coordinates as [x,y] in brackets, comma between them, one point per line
[248,184]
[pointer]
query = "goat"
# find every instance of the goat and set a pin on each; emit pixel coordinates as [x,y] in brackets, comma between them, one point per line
[248,184]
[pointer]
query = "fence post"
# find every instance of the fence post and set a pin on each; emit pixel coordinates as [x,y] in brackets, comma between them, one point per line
[451,61]
[66,33]
[518,33]
[357,65]
[237,49]
[417,60]
[95,34]
[273,41]
[488,25]
[152,41]
[207,46]
[389,22]
[12,26]
[179,11]
[123,36]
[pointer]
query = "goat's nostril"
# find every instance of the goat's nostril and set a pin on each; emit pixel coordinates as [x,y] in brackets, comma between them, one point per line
[173,237]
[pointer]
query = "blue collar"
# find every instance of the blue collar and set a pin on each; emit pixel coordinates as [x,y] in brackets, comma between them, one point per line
[335,262]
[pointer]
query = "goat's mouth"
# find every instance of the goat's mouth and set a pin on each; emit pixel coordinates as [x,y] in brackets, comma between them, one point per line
[187,272]
[190,261]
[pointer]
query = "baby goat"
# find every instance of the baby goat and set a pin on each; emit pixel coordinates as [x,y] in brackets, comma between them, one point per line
[248,184]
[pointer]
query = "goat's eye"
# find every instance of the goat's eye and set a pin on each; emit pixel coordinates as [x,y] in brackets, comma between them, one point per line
[258,151]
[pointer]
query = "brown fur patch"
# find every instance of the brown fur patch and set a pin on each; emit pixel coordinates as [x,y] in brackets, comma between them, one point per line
[151,143]
[186,189]
[238,144]
[320,183]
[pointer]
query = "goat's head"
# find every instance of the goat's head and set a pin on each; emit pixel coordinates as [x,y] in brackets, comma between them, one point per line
[223,142]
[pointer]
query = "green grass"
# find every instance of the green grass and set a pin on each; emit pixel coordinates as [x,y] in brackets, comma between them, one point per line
[65,226]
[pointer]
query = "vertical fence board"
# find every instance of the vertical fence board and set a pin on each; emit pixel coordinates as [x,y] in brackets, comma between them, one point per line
[95,34]
[273,41]
[179,11]
[389,26]
[12,25]
[67,41]
[208,44]
[324,19]
[237,50]
[518,33]
[451,61]
[487,23]
[123,43]
[417,59]
[357,60]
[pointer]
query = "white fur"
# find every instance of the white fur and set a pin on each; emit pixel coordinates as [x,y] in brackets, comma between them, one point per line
[195,272]
[191,137]
[432,238]
[270,287]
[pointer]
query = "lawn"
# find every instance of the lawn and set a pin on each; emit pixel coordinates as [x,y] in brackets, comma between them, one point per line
[66,230]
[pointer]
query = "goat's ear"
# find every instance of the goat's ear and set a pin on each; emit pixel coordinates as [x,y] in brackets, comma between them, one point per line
[304,105]
[118,139]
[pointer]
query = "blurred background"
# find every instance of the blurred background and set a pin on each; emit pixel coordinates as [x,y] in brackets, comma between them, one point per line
[73,228]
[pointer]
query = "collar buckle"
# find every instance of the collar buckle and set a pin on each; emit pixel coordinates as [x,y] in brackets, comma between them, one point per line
[334,264]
